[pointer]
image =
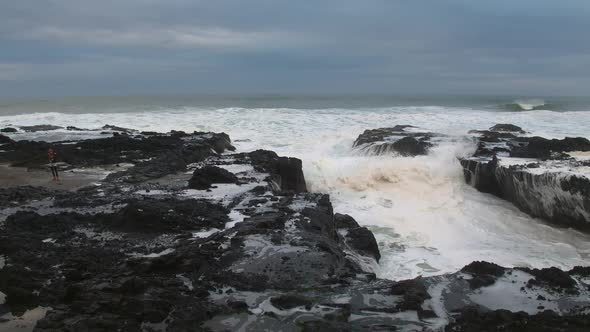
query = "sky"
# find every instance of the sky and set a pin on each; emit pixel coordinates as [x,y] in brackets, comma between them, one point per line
[151,47]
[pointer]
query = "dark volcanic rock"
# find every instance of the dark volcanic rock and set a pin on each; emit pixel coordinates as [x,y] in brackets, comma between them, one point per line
[345,221]
[475,319]
[8,130]
[167,216]
[583,271]
[394,140]
[72,128]
[409,146]
[153,156]
[414,292]
[542,148]
[138,252]
[360,239]
[286,173]
[552,277]
[40,128]
[120,129]
[381,134]
[19,195]
[205,176]
[5,140]
[506,127]
[553,195]
[483,274]
[285,302]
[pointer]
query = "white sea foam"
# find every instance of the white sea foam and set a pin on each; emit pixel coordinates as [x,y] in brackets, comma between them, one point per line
[427,220]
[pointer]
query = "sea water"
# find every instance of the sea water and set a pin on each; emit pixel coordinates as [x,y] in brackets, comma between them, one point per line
[426,219]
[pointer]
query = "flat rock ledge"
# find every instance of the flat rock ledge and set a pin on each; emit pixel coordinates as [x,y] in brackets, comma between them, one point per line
[547,178]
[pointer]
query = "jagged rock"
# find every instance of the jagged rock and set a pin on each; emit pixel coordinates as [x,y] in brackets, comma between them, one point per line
[394,140]
[541,148]
[204,177]
[552,277]
[381,134]
[532,185]
[583,271]
[483,274]
[287,173]
[360,239]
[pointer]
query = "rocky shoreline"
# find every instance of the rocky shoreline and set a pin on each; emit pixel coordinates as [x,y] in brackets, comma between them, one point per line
[185,234]
[545,178]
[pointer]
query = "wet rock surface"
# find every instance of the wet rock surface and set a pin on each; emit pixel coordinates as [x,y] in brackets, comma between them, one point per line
[5,140]
[404,140]
[36,128]
[476,319]
[543,177]
[204,177]
[143,250]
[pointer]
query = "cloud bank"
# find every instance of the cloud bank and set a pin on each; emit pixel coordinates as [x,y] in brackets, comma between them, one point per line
[67,47]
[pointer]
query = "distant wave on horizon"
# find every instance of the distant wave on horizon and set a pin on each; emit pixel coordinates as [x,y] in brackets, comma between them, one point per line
[529,105]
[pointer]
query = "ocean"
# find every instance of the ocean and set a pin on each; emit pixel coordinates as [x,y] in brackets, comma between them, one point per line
[427,220]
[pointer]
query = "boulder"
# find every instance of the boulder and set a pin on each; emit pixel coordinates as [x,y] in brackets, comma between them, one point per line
[360,239]
[205,176]
[286,173]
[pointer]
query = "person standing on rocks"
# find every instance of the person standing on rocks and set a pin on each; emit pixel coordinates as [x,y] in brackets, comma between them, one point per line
[52,165]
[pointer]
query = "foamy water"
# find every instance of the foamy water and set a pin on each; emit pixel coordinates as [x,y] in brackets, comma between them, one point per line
[427,220]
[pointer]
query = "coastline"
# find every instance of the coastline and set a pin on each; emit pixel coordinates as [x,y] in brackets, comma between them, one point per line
[242,241]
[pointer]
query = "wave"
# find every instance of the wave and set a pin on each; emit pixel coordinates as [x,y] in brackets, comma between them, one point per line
[529,105]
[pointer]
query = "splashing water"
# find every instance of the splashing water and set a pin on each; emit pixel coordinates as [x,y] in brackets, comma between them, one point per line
[425,218]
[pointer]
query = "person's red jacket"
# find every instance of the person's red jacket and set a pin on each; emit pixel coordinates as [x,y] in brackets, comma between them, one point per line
[51,154]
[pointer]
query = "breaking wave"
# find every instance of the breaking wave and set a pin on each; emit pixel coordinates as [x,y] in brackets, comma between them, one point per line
[529,105]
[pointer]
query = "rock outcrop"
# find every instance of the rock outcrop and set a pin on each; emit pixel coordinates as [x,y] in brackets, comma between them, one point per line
[8,130]
[395,140]
[5,140]
[36,128]
[536,174]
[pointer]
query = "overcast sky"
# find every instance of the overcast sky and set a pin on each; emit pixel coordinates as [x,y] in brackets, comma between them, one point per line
[127,47]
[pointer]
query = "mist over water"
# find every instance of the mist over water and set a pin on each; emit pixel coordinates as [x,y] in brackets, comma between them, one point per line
[426,219]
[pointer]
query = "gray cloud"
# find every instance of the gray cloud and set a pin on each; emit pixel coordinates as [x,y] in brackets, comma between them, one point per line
[277,46]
